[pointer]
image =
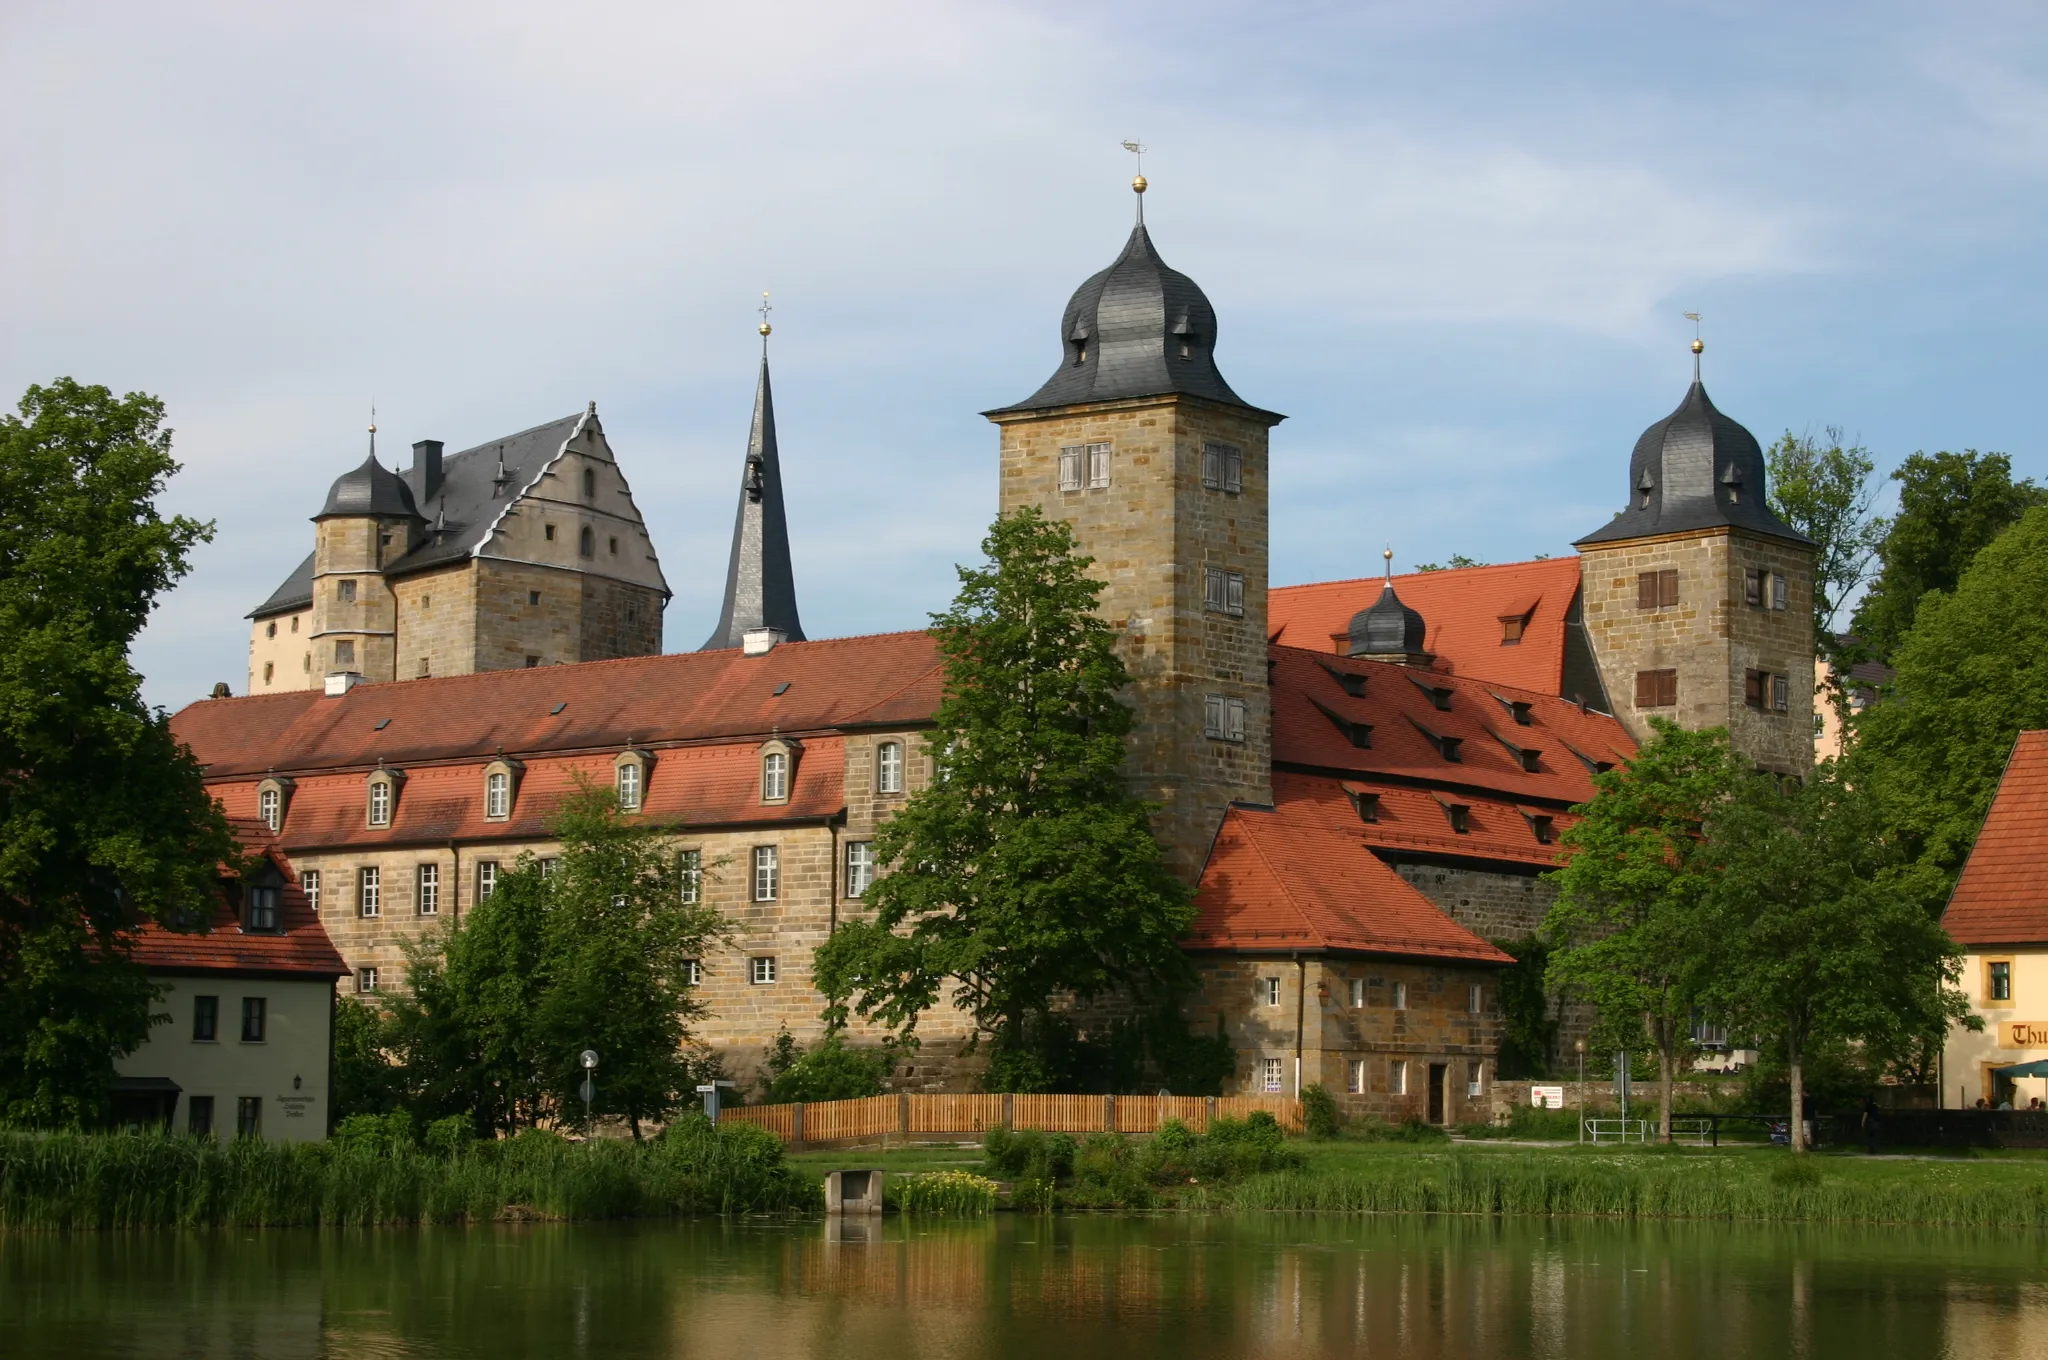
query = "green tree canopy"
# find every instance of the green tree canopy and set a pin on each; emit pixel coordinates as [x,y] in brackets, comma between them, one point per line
[1950,506]
[1822,488]
[1972,675]
[1628,929]
[592,950]
[104,819]
[1024,874]
[1813,935]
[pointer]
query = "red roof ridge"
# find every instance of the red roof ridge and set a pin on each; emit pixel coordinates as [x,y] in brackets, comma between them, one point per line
[1440,572]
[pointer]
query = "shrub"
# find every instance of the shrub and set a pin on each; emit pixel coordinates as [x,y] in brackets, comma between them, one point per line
[828,1070]
[1319,1115]
[957,1194]
[450,1136]
[381,1134]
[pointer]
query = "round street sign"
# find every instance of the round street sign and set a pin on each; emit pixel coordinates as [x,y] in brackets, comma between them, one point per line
[590,1057]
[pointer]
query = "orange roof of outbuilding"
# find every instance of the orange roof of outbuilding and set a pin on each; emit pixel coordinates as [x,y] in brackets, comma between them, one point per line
[2002,896]
[1299,876]
[1463,608]
[885,679]
[299,947]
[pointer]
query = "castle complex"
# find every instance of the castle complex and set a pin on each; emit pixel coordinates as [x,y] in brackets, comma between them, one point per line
[1363,779]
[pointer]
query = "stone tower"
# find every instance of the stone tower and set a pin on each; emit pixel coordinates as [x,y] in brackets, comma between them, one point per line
[367,524]
[760,587]
[1698,599]
[1139,444]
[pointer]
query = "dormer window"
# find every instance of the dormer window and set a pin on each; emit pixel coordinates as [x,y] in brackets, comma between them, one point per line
[1359,734]
[775,777]
[889,767]
[1542,826]
[261,913]
[1447,747]
[629,778]
[383,795]
[1643,489]
[1364,802]
[1732,480]
[497,796]
[273,796]
[1459,815]
[1079,340]
[1186,336]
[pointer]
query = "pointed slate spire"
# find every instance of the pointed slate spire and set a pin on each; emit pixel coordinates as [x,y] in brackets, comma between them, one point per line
[760,590]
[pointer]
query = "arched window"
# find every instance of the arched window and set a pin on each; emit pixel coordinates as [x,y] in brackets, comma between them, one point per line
[889,767]
[589,483]
[629,788]
[586,542]
[380,804]
[268,802]
[775,777]
[497,795]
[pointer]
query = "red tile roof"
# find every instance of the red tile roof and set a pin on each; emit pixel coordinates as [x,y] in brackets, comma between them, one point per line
[2002,896]
[1309,699]
[691,786]
[1302,877]
[1417,821]
[1462,607]
[887,679]
[300,947]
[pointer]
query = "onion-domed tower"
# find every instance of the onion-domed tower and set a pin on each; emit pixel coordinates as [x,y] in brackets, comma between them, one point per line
[1698,598]
[1138,443]
[370,520]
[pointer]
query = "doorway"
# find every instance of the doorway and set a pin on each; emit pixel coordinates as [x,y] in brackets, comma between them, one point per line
[1439,1081]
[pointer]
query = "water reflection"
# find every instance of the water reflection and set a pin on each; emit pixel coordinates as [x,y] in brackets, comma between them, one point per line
[859,1289]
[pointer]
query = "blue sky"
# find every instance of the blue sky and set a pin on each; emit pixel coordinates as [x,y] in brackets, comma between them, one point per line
[1451,241]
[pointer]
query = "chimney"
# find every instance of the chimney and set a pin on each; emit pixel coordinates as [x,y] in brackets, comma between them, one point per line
[341,682]
[426,470]
[761,641]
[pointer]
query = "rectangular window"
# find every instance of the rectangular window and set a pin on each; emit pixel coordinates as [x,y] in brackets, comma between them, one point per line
[1098,466]
[1223,718]
[693,972]
[366,980]
[690,873]
[248,1116]
[1073,467]
[1475,998]
[199,1116]
[262,912]
[255,1011]
[369,892]
[1269,990]
[767,873]
[1475,1079]
[1753,586]
[1998,980]
[309,883]
[860,867]
[1781,694]
[629,787]
[1357,992]
[761,969]
[1777,591]
[1397,1077]
[1354,1077]
[497,796]
[1755,685]
[774,777]
[345,591]
[486,878]
[205,1019]
[430,889]
[1273,1079]
[1223,591]
[380,803]
[267,803]
[1400,996]
[889,767]
[548,866]
[1656,689]
[1657,589]
[1223,467]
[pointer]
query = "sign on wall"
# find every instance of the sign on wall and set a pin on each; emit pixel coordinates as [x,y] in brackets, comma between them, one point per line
[2023,1034]
[1547,1097]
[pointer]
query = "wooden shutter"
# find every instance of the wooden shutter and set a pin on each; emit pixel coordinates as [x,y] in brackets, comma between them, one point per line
[1753,688]
[1753,587]
[1212,588]
[1233,469]
[1667,587]
[1070,467]
[1667,688]
[1233,592]
[1646,590]
[1212,465]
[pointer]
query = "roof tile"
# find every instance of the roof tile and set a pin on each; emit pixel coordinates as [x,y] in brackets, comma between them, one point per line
[2002,895]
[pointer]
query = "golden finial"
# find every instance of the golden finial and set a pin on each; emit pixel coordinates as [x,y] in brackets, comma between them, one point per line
[1698,345]
[1138,182]
[1388,557]
[764,309]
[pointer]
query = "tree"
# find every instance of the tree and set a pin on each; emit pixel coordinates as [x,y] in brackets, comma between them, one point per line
[1528,1043]
[1972,674]
[591,951]
[1822,489]
[1950,506]
[366,1081]
[1024,876]
[828,1070]
[1814,937]
[104,820]
[1628,929]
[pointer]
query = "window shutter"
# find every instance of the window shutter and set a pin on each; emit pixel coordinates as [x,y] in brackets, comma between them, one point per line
[1667,587]
[1233,600]
[1646,590]
[1753,587]
[1667,688]
[1070,468]
[1777,591]
[1233,469]
[1233,715]
[1212,716]
[1098,465]
[1781,694]
[1753,688]
[1212,588]
[1646,689]
[1212,466]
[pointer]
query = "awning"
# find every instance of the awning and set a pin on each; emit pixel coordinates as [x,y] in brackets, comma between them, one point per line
[124,1086]
[2032,1069]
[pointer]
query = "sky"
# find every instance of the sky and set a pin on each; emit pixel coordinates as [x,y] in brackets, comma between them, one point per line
[1453,242]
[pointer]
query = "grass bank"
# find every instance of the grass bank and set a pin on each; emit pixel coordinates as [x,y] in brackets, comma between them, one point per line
[70,1181]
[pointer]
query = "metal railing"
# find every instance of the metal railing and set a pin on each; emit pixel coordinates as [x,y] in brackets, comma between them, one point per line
[1617,1130]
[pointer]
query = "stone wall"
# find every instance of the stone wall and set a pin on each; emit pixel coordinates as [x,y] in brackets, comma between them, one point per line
[1153,532]
[619,618]
[1711,637]
[437,613]
[284,643]
[352,549]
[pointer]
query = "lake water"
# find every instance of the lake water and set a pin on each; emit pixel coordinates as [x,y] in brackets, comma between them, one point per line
[1072,1289]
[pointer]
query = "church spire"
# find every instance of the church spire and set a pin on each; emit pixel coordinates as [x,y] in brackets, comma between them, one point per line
[760,590]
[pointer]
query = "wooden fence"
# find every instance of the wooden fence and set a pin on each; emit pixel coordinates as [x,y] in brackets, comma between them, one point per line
[930,1116]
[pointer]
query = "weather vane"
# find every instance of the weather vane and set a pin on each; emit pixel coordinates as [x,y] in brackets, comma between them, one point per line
[1138,184]
[1697,343]
[765,328]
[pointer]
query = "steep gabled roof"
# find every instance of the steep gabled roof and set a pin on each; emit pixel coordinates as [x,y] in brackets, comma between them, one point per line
[1415,823]
[2002,896]
[889,678]
[1463,608]
[1315,718]
[1296,877]
[300,946]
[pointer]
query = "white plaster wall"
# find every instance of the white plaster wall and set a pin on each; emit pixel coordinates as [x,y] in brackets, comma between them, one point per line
[294,1050]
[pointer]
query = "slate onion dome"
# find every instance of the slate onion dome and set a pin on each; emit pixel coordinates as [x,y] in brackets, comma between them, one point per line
[1135,329]
[1695,469]
[1389,630]
[371,491]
